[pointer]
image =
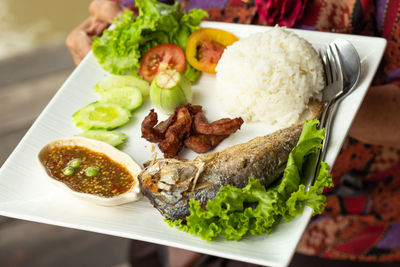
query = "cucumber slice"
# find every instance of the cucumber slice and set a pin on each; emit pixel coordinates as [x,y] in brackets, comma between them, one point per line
[99,115]
[116,81]
[111,137]
[126,97]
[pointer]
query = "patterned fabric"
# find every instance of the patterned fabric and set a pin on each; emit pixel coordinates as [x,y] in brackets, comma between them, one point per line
[362,218]
[233,11]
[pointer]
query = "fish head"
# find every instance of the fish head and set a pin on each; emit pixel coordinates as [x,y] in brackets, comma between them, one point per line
[168,179]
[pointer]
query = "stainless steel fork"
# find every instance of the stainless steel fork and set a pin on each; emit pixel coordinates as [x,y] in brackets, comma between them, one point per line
[342,69]
[333,86]
[334,77]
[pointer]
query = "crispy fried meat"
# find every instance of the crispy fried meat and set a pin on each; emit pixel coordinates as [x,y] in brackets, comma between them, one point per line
[163,126]
[194,109]
[187,127]
[148,131]
[220,127]
[203,143]
[176,133]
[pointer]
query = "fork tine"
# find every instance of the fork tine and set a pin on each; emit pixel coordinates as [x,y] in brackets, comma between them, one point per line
[333,64]
[340,63]
[328,67]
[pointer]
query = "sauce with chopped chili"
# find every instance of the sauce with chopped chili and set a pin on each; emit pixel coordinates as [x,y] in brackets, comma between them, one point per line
[95,173]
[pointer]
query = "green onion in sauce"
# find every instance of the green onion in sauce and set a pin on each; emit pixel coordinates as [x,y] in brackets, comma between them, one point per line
[91,171]
[68,171]
[75,163]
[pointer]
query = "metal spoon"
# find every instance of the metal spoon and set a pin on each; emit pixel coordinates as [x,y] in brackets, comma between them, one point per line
[342,64]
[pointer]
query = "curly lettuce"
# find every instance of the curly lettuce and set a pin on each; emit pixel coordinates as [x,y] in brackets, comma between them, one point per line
[235,212]
[120,49]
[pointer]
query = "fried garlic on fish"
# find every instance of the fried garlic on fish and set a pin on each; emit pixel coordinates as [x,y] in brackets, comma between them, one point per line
[170,183]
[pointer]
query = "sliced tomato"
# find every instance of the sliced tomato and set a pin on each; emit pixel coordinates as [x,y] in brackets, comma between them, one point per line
[159,58]
[205,47]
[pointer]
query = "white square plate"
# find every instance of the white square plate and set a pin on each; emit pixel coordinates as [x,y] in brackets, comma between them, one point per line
[25,192]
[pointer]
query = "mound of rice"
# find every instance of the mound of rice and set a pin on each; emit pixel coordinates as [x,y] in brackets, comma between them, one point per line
[269,77]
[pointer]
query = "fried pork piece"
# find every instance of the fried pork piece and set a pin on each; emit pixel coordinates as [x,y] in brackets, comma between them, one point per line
[176,133]
[156,134]
[187,127]
[148,131]
[203,143]
[163,126]
[220,127]
[194,109]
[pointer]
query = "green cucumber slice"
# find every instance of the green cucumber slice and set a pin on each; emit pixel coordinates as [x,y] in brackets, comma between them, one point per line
[99,115]
[126,97]
[116,81]
[111,137]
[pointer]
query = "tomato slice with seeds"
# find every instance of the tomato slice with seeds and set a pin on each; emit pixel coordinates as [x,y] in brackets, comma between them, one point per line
[210,52]
[159,58]
[205,46]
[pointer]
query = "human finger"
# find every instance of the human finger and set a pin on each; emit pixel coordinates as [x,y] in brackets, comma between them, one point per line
[105,10]
[96,27]
[79,42]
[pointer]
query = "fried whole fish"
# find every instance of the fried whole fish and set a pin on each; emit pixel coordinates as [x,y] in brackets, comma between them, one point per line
[171,183]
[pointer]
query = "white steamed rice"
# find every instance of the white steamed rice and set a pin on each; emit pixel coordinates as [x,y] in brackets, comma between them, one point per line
[269,77]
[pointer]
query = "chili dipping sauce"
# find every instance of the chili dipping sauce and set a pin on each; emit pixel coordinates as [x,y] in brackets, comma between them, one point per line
[87,171]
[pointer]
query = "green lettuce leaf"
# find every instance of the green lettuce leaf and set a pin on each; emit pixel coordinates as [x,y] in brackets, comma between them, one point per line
[229,214]
[309,143]
[120,49]
[117,50]
[191,73]
[312,198]
[235,212]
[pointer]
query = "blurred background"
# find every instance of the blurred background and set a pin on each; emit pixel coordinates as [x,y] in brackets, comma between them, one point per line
[34,62]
